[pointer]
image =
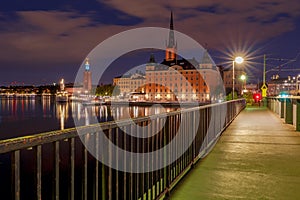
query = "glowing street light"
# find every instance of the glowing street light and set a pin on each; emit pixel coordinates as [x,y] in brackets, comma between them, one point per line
[238,60]
[243,78]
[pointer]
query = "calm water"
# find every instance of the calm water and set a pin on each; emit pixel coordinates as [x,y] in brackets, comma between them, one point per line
[27,116]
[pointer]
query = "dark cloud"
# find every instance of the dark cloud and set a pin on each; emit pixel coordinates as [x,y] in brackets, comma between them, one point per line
[55,36]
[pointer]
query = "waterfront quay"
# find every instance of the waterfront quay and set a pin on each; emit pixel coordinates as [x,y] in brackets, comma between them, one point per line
[257,157]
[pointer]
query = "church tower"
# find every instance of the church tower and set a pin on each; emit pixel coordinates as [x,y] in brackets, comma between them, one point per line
[171,47]
[87,77]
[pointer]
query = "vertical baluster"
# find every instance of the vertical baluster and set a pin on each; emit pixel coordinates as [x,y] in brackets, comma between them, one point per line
[84,180]
[193,121]
[160,154]
[125,165]
[137,161]
[103,179]
[16,174]
[97,166]
[156,159]
[56,167]
[148,181]
[165,156]
[117,162]
[170,150]
[39,172]
[143,175]
[72,168]
[109,184]
[130,149]
[154,130]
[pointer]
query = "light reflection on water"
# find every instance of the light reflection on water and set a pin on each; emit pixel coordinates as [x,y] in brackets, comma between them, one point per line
[27,116]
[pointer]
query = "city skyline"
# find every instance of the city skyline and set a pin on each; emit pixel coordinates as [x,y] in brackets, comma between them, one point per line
[43,42]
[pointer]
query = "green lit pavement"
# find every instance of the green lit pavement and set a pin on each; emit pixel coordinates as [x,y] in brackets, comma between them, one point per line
[257,157]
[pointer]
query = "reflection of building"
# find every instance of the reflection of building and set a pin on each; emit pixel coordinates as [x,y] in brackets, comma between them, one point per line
[87,77]
[62,114]
[132,83]
[62,94]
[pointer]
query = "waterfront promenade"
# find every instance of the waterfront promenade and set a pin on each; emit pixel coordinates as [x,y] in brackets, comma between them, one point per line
[257,157]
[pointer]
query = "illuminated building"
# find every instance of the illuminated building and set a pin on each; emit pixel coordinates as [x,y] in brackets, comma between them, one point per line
[130,83]
[87,77]
[176,79]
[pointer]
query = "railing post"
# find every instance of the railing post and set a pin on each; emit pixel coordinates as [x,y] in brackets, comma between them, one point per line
[288,111]
[16,174]
[56,169]
[298,115]
[282,106]
[72,168]
[39,172]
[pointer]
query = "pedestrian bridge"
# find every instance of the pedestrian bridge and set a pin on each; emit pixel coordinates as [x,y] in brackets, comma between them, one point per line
[257,157]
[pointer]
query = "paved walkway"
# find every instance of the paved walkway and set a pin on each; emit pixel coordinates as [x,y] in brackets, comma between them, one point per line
[257,157]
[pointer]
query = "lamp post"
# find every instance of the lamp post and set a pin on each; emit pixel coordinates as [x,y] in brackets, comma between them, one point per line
[237,60]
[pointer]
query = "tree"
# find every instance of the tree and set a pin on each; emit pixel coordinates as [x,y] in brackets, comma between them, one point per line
[107,90]
[229,96]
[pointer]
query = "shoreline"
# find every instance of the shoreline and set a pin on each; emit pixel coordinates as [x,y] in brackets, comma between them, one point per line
[145,103]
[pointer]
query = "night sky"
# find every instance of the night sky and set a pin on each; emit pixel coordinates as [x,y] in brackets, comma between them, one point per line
[43,41]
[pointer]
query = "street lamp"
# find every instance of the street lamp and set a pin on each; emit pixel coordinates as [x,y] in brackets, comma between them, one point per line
[238,60]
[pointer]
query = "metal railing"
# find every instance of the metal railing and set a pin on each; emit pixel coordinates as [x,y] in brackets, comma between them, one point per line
[287,108]
[56,165]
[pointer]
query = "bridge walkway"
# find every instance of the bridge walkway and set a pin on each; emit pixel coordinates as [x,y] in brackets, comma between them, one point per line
[257,157]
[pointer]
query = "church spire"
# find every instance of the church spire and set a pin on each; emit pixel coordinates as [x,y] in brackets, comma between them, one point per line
[171,45]
[171,22]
